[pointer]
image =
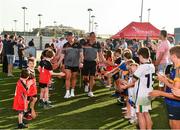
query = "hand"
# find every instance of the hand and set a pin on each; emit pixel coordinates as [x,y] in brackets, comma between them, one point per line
[81,65]
[161,77]
[62,74]
[155,93]
[176,92]
[124,82]
[123,86]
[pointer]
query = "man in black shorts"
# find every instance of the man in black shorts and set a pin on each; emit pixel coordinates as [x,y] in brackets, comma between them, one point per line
[73,57]
[90,52]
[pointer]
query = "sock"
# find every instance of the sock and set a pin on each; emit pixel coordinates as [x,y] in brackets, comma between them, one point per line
[72,90]
[68,91]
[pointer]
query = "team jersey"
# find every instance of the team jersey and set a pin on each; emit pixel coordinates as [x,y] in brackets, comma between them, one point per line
[144,84]
[33,88]
[45,68]
[20,98]
[174,74]
[71,54]
[90,51]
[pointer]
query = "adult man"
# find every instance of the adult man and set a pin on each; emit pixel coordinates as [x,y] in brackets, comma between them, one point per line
[73,57]
[90,55]
[4,55]
[162,54]
[10,54]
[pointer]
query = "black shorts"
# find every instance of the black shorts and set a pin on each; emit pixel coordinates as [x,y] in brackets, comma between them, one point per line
[43,85]
[73,69]
[29,98]
[173,112]
[89,68]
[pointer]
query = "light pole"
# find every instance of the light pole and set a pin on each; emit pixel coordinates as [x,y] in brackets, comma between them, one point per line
[96,25]
[55,22]
[149,11]
[92,17]
[27,24]
[89,10]
[142,3]
[24,9]
[40,34]
[15,21]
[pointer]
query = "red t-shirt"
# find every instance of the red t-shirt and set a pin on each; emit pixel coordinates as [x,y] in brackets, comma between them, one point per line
[33,88]
[109,67]
[45,68]
[20,97]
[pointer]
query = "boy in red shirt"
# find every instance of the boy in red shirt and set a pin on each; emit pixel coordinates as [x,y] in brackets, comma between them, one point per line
[46,71]
[20,99]
[32,92]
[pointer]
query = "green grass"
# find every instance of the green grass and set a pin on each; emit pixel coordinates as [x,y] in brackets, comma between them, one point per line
[81,112]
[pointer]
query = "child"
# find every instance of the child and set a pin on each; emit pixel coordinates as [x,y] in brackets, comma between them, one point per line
[32,92]
[46,71]
[142,83]
[20,99]
[132,112]
[109,66]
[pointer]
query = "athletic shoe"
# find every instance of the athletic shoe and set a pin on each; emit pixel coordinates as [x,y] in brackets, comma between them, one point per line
[68,95]
[124,108]
[133,121]
[86,89]
[22,126]
[108,86]
[90,94]
[49,102]
[41,103]
[47,105]
[72,93]
[127,117]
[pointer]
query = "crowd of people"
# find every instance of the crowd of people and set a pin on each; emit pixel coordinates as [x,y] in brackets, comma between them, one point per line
[129,67]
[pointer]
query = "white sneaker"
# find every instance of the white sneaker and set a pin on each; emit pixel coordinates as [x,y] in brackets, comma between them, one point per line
[90,94]
[86,89]
[72,93]
[108,86]
[124,108]
[68,95]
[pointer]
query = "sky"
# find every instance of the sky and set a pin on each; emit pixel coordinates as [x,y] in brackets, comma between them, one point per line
[111,15]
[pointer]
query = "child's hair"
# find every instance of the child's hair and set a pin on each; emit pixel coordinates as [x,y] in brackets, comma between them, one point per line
[49,54]
[24,74]
[144,52]
[108,54]
[118,51]
[31,60]
[175,50]
[47,45]
[134,64]
[127,55]
[130,61]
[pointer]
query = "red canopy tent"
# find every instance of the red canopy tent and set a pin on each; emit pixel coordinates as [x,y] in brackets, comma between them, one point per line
[138,30]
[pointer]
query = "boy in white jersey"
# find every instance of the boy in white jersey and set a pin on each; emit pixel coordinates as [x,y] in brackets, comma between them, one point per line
[143,81]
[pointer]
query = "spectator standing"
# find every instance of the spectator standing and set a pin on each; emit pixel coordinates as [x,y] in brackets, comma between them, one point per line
[10,54]
[4,55]
[31,50]
[162,54]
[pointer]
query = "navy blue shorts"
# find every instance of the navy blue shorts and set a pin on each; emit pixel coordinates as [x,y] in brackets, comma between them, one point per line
[116,76]
[173,112]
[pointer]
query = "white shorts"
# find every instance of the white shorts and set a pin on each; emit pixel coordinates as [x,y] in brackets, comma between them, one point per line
[141,108]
